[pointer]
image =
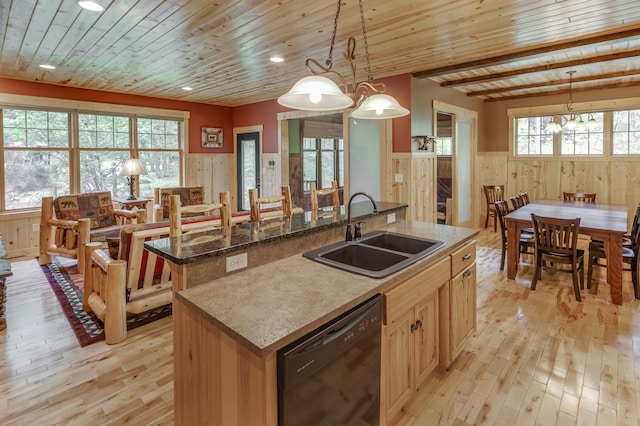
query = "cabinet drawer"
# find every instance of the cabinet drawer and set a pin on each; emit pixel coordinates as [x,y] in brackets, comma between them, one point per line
[404,296]
[462,258]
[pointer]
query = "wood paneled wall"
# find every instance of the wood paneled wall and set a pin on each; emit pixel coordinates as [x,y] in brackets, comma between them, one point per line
[417,188]
[614,181]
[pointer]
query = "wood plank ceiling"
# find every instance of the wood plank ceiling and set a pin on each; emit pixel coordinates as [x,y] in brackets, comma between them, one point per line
[493,49]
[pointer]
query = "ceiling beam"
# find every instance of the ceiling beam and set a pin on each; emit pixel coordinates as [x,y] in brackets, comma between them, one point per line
[540,68]
[562,91]
[607,76]
[515,56]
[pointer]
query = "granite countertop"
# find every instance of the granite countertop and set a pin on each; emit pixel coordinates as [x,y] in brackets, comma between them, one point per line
[267,307]
[194,247]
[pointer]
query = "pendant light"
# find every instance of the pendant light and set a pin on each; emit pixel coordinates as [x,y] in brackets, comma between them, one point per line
[319,93]
[575,120]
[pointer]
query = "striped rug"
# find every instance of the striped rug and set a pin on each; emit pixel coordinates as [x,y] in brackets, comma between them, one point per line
[66,283]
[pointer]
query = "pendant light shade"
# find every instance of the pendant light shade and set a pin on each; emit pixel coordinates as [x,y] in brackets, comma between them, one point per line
[315,93]
[319,93]
[379,106]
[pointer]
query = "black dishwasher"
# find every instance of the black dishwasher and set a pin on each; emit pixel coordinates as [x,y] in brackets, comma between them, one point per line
[331,376]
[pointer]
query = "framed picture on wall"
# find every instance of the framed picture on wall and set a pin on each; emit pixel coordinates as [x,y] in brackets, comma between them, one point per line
[211,137]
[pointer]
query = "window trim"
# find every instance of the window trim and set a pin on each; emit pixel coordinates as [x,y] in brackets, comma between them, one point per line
[73,108]
[559,109]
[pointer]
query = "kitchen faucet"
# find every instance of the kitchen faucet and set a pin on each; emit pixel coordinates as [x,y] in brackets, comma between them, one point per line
[358,227]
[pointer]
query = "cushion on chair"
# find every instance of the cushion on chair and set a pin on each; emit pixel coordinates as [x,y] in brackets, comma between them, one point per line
[188,196]
[96,206]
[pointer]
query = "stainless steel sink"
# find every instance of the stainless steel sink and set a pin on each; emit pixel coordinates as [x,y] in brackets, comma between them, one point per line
[377,255]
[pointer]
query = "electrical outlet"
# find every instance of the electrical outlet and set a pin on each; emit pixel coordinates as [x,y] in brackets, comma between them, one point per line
[236,262]
[391,218]
[35,227]
[399,177]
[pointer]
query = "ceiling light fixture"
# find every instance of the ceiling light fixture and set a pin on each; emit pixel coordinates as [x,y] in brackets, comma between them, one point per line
[319,93]
[558,124]
[47,67]
[276,59]
[90,5]
[187,88]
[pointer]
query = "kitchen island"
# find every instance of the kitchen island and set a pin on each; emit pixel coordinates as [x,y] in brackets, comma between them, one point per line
[227,331]
[201,257]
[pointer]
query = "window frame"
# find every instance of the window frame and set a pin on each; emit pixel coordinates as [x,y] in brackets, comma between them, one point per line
[74,109]
[318,151]
[606,107]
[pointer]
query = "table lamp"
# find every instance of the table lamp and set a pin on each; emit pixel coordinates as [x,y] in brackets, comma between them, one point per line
[132,167]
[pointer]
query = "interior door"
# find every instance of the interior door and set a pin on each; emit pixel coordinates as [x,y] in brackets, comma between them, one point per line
[248,167]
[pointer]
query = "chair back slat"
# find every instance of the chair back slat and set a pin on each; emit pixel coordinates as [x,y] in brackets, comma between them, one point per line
[556,236]
[516,202]
[493,193]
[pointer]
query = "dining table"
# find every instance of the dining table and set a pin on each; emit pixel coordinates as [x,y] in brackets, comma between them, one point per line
[605,222]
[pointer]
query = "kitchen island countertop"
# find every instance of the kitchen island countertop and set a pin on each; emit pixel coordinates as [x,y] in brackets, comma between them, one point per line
[267,307]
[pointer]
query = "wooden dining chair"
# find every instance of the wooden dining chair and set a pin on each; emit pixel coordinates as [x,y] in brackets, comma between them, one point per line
[516,202]
[524,198]
[492,193]
[579,196]
[526,245]
[630,251]
[556,244]
[277,206]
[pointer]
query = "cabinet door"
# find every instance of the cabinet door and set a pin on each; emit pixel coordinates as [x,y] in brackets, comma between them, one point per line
[463,308]
[397,369]
[426,337]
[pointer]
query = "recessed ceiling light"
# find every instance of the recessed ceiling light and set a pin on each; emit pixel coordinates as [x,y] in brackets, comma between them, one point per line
[47,67]
[187,88]
[277,59]
[90,5]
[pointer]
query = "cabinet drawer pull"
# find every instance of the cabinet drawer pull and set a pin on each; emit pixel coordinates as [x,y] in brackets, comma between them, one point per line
[414,327]
[418,324]
[467,273]
[466,256]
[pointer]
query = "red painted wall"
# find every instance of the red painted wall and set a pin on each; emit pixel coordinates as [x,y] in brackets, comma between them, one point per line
[265,113]
[399,87]
[204,115]
[201,114]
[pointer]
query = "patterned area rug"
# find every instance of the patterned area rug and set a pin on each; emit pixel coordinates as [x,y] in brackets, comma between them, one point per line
[67,285]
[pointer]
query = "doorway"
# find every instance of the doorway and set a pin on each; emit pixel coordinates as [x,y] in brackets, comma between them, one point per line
[248,166]
[463,124]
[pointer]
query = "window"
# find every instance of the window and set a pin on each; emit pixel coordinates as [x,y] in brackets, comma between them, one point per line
[585,139]
[626,132]
[36,156]
[531,139]
[44,157]
[444,146]
[588,138]
[322,161]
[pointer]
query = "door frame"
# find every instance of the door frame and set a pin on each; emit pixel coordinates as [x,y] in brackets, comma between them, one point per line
[234,163]
[466,115]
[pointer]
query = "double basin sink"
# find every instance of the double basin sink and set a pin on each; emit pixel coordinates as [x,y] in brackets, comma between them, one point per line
[377,255]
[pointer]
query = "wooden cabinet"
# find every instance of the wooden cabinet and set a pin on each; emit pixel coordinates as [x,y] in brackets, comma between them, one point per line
[457,301]
[410,350]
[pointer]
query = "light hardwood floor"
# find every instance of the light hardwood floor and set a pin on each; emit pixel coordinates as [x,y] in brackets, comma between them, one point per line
[538,357]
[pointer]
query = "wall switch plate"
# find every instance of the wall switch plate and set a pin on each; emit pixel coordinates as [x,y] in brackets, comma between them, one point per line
[399,177]
[35,227]
[391,218]
[236,262]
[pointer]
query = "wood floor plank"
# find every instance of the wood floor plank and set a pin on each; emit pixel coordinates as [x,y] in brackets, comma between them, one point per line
[538,357]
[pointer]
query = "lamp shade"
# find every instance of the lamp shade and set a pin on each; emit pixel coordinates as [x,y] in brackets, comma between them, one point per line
[315,93]
[133,167]
[379,106]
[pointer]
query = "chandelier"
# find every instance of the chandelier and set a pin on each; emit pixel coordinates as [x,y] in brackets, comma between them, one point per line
[574,121]
[319,93]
